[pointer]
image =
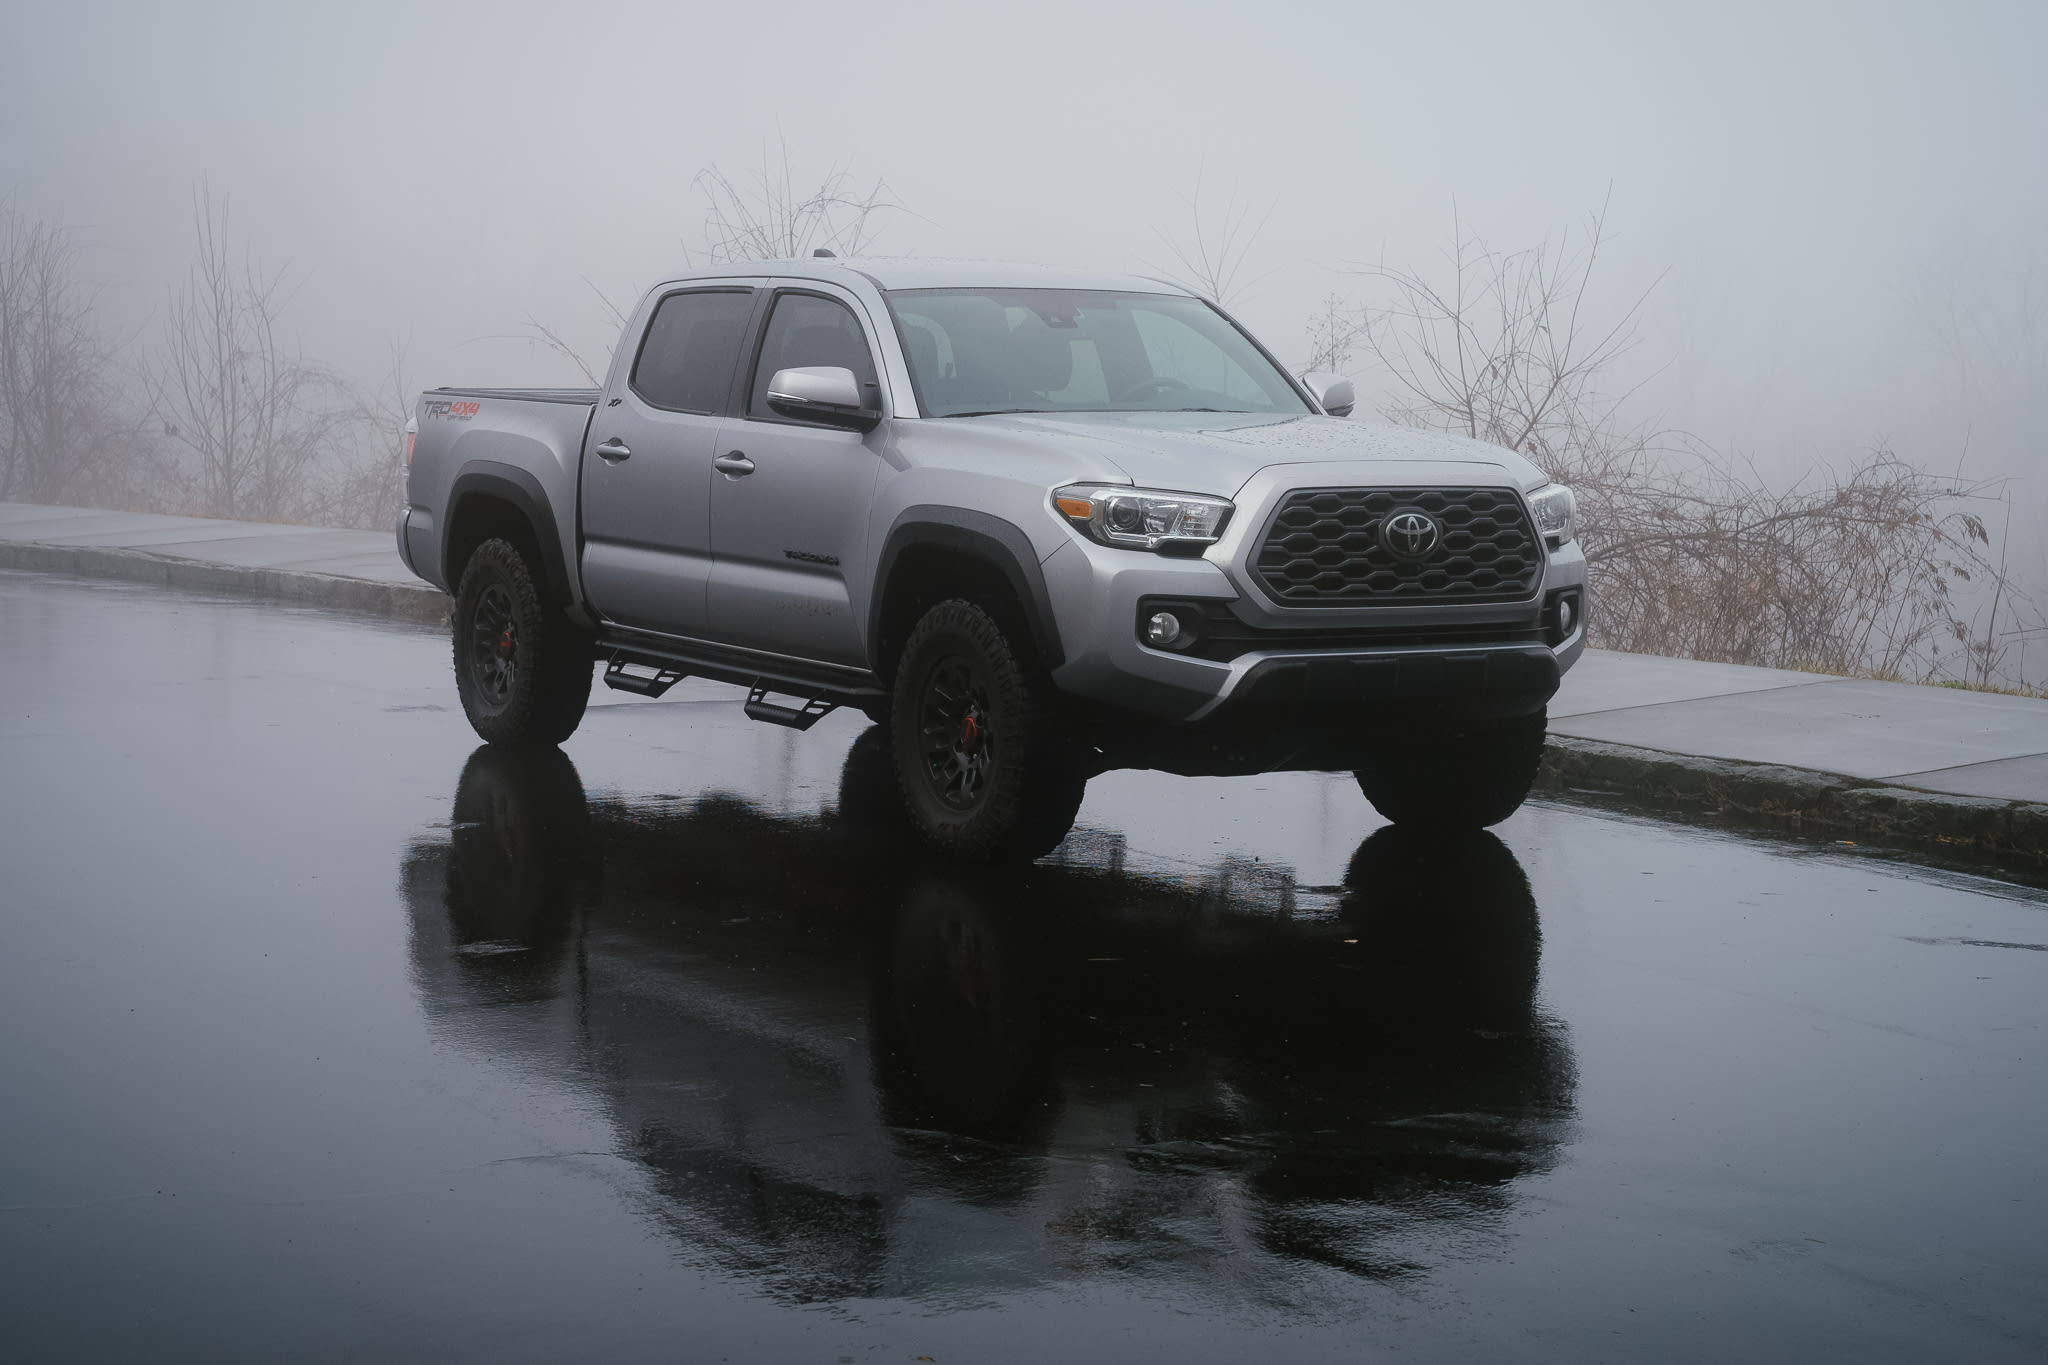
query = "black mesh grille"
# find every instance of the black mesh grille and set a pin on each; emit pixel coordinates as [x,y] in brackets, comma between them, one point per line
[1323,548]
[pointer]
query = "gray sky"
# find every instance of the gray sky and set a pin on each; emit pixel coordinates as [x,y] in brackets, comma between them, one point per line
[1811,175]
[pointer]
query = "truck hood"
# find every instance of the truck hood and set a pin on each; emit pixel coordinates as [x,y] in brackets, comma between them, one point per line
[1216,452]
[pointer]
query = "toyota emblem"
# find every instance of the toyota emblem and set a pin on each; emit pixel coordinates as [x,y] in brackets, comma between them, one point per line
[1409,534]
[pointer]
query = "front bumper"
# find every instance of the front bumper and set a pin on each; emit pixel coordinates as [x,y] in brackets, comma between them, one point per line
[1301,658]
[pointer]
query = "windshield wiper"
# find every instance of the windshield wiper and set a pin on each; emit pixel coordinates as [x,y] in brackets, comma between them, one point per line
[990,412]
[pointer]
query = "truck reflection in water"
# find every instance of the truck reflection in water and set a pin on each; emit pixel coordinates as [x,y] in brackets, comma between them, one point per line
[849,1071]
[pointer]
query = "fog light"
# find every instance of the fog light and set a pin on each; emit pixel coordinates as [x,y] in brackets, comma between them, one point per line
[1564,617]
[1162,629]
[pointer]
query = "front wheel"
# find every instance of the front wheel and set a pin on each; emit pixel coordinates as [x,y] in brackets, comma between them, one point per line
[1467,777]
[522,668]
[983,775]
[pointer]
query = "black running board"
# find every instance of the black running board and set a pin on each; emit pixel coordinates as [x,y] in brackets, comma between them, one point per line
[648,665]
[658,679]
[813,710]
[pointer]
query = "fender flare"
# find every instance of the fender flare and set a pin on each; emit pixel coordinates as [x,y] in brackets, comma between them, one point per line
[1001,544]
[511,484]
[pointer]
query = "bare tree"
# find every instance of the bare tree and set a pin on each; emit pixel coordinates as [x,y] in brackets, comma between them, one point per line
[775,214]
[1212,256]
[613,319]
[1332,337]
[1858,569]
[60,436]
[363,485]
[1985,328]
[255,416]
[1505,350]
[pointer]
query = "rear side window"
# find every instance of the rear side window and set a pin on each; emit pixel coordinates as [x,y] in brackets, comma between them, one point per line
[692,346]
[807,330]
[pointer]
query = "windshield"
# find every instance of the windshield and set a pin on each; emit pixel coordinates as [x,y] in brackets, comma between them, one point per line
[974,351]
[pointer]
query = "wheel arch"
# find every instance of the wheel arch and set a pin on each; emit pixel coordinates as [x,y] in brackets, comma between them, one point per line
[489,499]
[935,552]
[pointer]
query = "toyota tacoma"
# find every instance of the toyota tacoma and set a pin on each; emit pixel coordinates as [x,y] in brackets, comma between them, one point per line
[1040,524]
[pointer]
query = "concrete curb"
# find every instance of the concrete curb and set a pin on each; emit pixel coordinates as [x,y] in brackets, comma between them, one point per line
[1979,825]
[396,601]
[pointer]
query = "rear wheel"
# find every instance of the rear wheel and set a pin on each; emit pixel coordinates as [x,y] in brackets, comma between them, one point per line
[1466,778]
[982,774]
[522,668]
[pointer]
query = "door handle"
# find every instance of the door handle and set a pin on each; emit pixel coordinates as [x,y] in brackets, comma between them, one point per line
[613,450]
[733,464]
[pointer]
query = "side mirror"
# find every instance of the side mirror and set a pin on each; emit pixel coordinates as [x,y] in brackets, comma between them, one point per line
[1333,393]
[821,393]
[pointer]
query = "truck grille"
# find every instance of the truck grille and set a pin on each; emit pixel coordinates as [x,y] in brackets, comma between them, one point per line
[1324,548]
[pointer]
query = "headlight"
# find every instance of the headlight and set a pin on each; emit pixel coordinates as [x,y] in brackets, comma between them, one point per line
[1143,519]
[1552,506]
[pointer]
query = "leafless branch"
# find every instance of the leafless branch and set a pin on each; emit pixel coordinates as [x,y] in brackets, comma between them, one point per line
[775,215]
[60,434]
[1212,256]
[252,413]
[363,483]
[1333,335]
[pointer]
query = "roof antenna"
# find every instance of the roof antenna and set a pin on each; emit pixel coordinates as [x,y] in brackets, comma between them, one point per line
[825,251]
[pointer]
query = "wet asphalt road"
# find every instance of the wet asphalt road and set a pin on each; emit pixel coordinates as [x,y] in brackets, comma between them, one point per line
[328,1036]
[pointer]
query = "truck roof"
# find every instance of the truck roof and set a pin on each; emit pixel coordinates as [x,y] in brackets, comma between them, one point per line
[925,272]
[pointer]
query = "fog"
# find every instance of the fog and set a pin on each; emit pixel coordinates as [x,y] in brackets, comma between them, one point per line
[1827,196]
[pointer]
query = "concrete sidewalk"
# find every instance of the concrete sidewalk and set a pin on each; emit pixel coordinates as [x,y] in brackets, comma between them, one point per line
[1940,739]
[1927,764]
[355,570]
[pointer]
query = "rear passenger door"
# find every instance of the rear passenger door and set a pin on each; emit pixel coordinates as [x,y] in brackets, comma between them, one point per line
[647,472]
[789,505]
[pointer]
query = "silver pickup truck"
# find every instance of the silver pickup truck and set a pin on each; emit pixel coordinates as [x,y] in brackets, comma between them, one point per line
[1041,524]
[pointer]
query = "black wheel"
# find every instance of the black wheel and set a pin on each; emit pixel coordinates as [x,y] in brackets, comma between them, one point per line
[1464,778]
[981,774]
[521,667]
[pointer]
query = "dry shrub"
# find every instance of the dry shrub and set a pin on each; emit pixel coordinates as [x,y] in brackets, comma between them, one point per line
[1860,570]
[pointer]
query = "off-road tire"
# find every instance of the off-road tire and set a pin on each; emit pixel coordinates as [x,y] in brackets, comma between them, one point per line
[1002,789]
[1466,778]
[527,684]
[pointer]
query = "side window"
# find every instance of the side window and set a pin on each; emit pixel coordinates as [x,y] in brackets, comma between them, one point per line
[692,345]
[806,330]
